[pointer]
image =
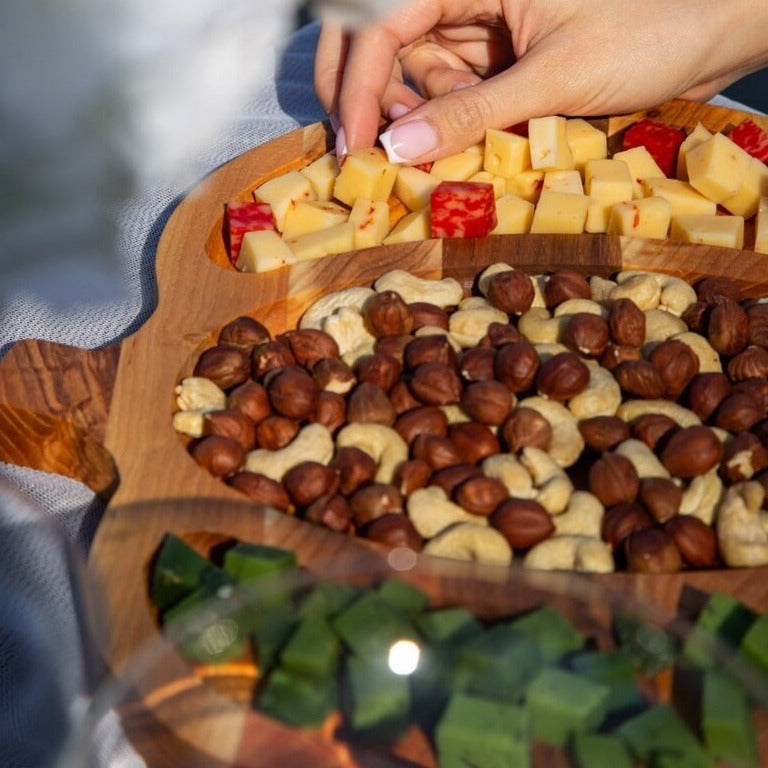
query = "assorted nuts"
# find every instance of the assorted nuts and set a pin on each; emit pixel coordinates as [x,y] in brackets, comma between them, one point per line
[561,420]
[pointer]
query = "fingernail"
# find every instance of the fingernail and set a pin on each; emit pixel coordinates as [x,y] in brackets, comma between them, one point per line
[408,141]
[398,110]
[335,121]
[341,144]
[462,86]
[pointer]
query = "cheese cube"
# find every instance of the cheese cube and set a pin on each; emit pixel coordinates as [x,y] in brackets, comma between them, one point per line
[586,141]
[322,175]
[761,226]
[262,251]
[725,231]
[307,216]
[754,186]
[698,135]
[412,227]
[371,220]
[513,214]
[564,181]
[527,184]
[716,167]
[413,187]
[338,239]
[549,143]
[499,183]
[366,173]
[648,217]
[560,212]
[641,166]
[506,153]
[282,192]
[458,167]
[606,182]
[683,198]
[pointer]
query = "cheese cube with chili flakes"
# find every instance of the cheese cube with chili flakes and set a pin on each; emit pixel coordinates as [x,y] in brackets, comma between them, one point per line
[641,166]
[337,239]
[606,182]
[282,192]
[506,153]
[458,167]
[411,228]
[560,213]
[754,185]
[365,173]
[647,217]
[697,136]
[462,209]
[761,226]
[716,167]
[263,251]
[307,216]
[322,175]
[725,231]
[683,198]
[371,220]
[527,184]
[549,143]
[513,215]
[413,187]
[586,141]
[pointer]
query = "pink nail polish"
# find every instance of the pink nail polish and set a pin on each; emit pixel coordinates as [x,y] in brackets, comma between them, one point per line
[341,144]
[398,110]
[335,121]
[408,141]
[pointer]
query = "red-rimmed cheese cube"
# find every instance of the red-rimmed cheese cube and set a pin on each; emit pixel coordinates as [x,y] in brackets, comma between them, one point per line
[242,217]
[662,142]
[462,209]
[751,138]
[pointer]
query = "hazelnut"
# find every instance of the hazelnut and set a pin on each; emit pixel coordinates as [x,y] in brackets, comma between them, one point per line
[562,376]
[652,428]
[757,316]
[261,489]
[434,348]
[488,402]
[661,496]
[613,479]
[410,475]
[706,391]
[695,540]
[368,403]
[332,374]
[500,333]
[516,365]
[696,316]
[386,314]
[292,392]
[226,366]
[727,326]
[676,363]
[587,333]
[615,354]
[380,369]
[480,495]
[355,467]
[652,550]
[565,284]
[231,423]
[511,291]
[219,455]
[330,410]
[436,384]
[394,530]
[473,441]
[738,412]
[751,362]
[270,356]
[522,522]
[332,512]
[525,427]
[308,480]
[275,432]
[754,386]
[250,398]
[476,364]
[374,500]
[691,451]
[401,397]
[602,433]
[449,478]
[711,288]
[426,419]
[437,451]
[394,346]
[743,456]
[620,520]
[243,332]
[626,323]
[426,314]
[639,378]
[310,345]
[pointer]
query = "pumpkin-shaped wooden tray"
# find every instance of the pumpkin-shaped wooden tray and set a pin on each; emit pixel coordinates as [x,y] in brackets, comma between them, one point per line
[104,416]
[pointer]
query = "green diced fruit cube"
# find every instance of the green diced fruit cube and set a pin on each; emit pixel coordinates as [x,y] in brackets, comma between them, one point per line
[403,596]
[312,650]
[298,700]
[448,625]
[599,750]
[326,599]
[562,704]
[431,684]
[754,644]
[726,721]
[245,561]
[652,648]
[554,635]
[270,626]
[482,733]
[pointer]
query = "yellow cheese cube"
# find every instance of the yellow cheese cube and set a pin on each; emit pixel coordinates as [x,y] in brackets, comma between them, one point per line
[549,143]
[761,226]
[366,173]
[413,187]
[725,231]
[683,198]
[282,192]
[564,181]
[560,212]
[412,227]
[307,216]
[648,217]
[526,184]
[371,220]
[586,141]
[513,215]
[606,181]
[458,167]
[263,251]
[315,245]
[754,186]
[716,167]
[506,153]
[641,166]
[698,135]
[322,175]
[499,183]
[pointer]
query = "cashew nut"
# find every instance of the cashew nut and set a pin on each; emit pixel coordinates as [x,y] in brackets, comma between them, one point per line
[644,460]
[553,486]
[347,328]
[547,349]
[572,306]
[566,443]
[313,442]
[661,325]
[431,511]
[189,422]
[539,281]
[582,517]
[702,496]
[327,304]
[383,444]
[676,294]
[538,325]
[475,302]
[709,359]
[468,326]
[196,393]
[470,541]
[454,413]
[629,410]
[507,468]
[641,287]
[580,553]
[446,292]
[741,535]
[600,288]
[601,396]
[436,330]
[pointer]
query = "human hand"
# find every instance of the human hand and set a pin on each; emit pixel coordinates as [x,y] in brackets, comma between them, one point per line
[499,62]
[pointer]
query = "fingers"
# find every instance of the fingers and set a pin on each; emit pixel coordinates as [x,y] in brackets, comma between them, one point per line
[330,60]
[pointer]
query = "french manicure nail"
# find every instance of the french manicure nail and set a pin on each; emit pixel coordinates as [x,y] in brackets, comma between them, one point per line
[408,141]
[341,144]
[397,110]
[335,121]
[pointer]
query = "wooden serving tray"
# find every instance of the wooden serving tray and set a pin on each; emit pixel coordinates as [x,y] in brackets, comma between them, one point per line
[104,416]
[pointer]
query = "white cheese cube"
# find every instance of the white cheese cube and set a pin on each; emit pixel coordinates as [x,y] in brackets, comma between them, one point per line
[698,135]
[506,153]
[499,183]
[560,213]
[322,175]
[648,217]
[412,227]
[371,220]
[282,192]
[754,186]
[262,251]
[725,231]
[549,143]
[366,173]
[564,181]
[413,187]
[716,167]
[307,216]
[683,198]
[315,245]
[641,166]
[513,215]
[458,167]
[586,141]
[526,184]
[606,182]
[761,226]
